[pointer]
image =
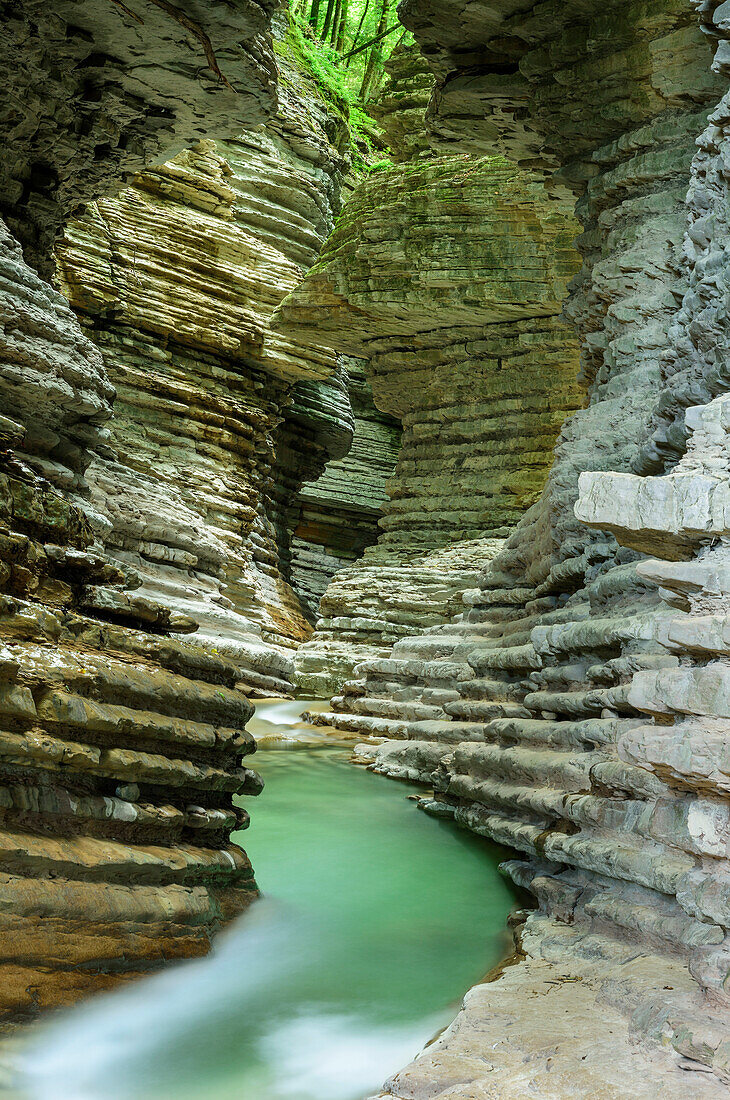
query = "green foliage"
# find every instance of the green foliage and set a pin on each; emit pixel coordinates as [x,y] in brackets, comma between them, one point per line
[380,165]
[341,75]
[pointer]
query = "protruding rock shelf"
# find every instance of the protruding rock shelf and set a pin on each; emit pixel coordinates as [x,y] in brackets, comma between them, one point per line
[529,615]
[339,512]
[218,420]
[96,91]
[546,1028]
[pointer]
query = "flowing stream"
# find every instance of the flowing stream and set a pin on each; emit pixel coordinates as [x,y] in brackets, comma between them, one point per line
[375,920]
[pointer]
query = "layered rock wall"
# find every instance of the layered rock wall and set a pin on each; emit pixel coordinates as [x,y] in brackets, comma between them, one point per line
[339,513]
[97,90]
[574,710]
[143,585]
[218,420]
[447,275]
[121,744]
[517,652]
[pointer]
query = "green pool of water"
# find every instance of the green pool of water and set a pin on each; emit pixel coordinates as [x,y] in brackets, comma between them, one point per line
[375,920]
[411,909]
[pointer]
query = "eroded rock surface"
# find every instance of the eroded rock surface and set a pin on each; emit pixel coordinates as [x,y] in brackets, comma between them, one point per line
[517,652]
[151,454]
[121,744]
[547,1028]
[574,709]
[218,420]
[447,275]
[98,90]
[339,512]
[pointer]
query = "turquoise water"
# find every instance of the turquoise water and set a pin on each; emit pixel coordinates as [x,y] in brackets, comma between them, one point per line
[411,910]
[375,921]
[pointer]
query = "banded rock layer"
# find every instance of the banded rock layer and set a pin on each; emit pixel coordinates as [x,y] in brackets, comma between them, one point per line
[121,745]
[96,91]
[447,276]
[583,725]
[339,512]
[218,420]
[122,716]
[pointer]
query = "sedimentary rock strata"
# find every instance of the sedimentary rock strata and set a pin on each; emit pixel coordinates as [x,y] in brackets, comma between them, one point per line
[150,461]
[339,512]
[431,254]
[574,710]
[528,77]
[542,644]
[52,379]
[447,276]
[176,279]
[402,102]
[120,743]
[98,90]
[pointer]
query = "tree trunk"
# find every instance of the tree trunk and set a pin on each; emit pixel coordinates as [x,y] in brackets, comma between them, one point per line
[328,19]
[374,56]
[314,14]
[342,29]
[358,32]
[335,29]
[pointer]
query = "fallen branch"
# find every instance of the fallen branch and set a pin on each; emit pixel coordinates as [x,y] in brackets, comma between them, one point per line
[372,41]
[185,21]
[128,11]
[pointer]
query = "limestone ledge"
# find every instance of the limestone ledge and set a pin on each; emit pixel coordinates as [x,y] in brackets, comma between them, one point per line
[120,747]
[479,415]
[143,586]
[383,597]
[465,243]
[568,710]
[548,1024]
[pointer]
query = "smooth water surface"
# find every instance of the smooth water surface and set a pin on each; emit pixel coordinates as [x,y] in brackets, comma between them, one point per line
[376,919]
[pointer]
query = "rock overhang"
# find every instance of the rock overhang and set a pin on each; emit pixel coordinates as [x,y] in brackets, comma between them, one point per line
[108,89]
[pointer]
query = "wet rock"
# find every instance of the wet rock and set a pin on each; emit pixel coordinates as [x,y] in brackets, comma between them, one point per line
[573,710]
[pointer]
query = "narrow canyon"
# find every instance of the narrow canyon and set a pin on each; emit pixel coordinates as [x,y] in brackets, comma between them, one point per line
[370,363]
